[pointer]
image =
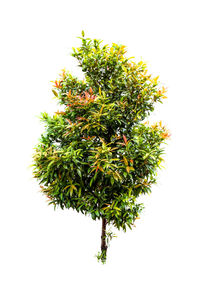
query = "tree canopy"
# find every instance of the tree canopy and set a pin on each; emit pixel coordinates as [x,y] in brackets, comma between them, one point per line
[97,154]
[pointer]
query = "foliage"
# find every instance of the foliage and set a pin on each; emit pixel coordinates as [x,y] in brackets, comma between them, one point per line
[98,155]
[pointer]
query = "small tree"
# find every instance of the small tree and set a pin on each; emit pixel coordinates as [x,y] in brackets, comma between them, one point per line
[97,155]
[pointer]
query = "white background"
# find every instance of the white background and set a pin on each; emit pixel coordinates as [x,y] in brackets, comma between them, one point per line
[47,254]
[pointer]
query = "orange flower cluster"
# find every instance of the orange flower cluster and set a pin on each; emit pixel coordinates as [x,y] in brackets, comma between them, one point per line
[58,84]
[124,138]
[81,118]
[60,112]
[80,100]
[165,135]
[88,137]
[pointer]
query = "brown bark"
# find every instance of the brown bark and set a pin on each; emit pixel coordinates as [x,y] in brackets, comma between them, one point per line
[103,236]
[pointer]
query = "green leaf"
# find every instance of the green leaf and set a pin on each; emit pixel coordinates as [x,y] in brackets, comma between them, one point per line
[97,213]
[55,93]
[79,192]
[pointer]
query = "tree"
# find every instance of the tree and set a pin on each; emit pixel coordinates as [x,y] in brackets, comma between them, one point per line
[98,155]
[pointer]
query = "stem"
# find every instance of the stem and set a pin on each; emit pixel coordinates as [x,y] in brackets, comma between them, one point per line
[103,240]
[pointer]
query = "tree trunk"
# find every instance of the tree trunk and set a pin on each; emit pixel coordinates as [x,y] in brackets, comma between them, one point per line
[103,237]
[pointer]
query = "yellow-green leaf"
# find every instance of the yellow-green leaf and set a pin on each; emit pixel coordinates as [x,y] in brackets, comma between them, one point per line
[55,93]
